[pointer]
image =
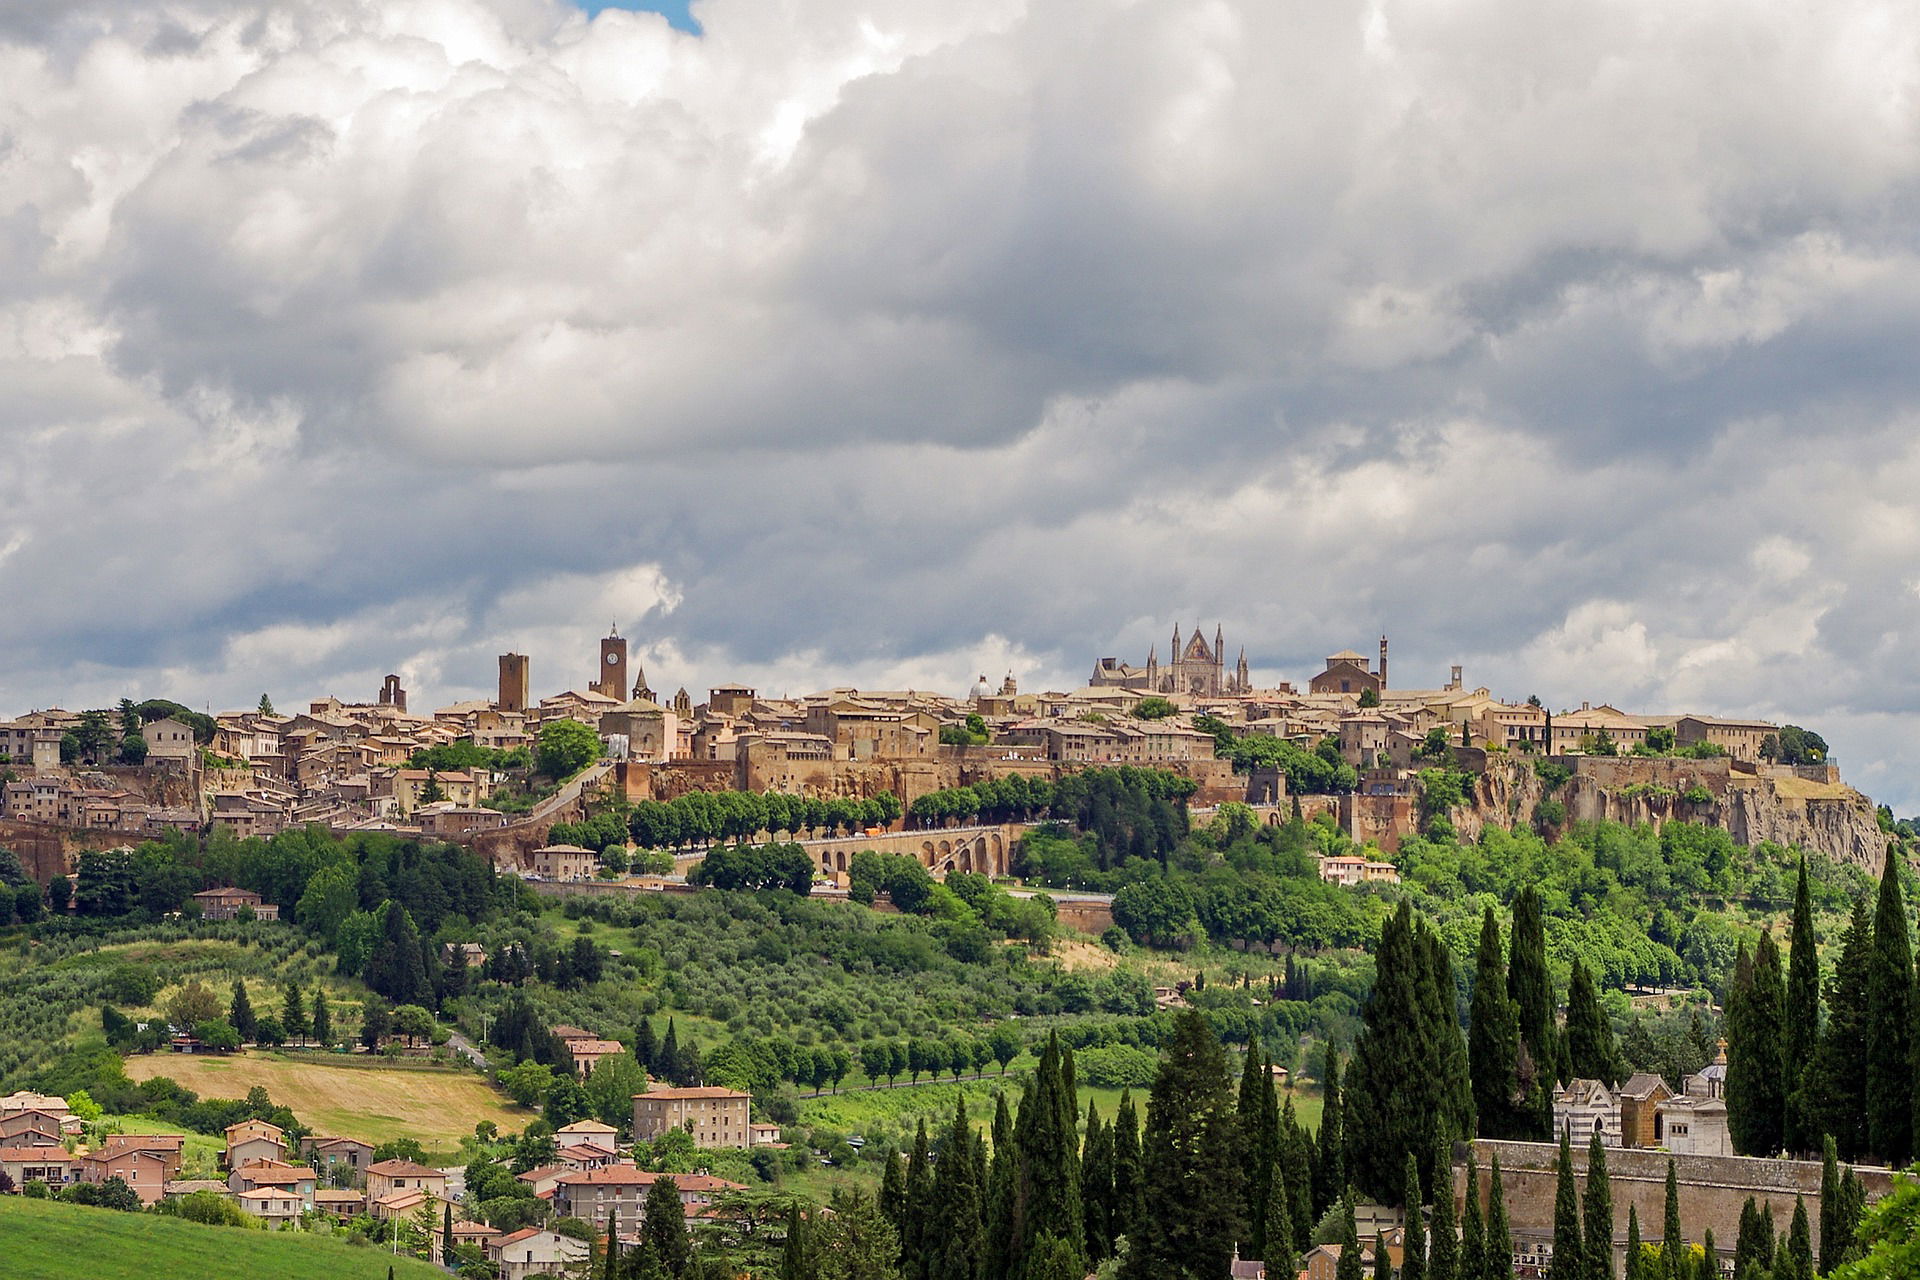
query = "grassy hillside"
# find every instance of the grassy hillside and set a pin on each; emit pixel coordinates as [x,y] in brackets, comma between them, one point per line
[371,1103]
[44,1240]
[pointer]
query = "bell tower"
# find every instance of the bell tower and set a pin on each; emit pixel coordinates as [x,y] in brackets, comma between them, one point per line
[612,681]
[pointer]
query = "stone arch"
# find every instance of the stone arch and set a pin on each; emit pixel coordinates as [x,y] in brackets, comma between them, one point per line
[1273,817]
[926,852]
[840,857]
[946,848]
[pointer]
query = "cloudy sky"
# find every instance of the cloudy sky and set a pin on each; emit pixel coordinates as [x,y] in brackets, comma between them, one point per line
[893,344]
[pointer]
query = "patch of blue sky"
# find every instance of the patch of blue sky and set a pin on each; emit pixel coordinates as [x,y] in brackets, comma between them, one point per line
[678,13]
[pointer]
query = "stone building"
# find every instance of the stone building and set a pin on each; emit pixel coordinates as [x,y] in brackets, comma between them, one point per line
[715,1117]
[1193,668]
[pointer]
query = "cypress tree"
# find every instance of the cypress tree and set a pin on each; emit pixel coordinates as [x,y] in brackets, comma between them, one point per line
[1296,1154]
[1836,1083]
[664,1227]
[1443,1253]
[1002,1180]
[240,1012]
[794,1263]
[1768,1238]
[1590,1044]
[1473,1234]
[1382,1260]
[1256,1120]
[1636,1268]
[1844,1247]
[1798,1253]
[892,1201]
[1389,1109]
[1279,1245]
[1330,1172]
[667,1061]
[919,1206]
[1348,1267]
[1413,1264]
[1889,992]
[1597,1214]
[1047,1182]
[958,1222]
[293,1011]
[1530,987]
[1096,1186]
[446,1238]
[1129,1176]
[1756,1076]
[645,1050]
[1497,1247]
[1493,1038]
[1569,1255]
[1830,1194]
[1673,1244]
[1452,1082]
[1193,1167]
[1747,1252]
[1802,1017]
[322,1018]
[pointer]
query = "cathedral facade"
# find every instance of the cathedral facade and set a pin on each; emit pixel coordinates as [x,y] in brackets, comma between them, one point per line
[1193,668]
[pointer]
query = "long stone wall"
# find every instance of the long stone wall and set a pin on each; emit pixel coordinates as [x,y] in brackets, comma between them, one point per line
[1712,1189]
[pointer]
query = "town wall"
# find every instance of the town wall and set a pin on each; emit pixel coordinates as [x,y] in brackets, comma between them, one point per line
[1712,1189]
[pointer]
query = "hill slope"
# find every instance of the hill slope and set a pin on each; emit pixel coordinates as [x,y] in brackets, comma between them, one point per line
[43,1240]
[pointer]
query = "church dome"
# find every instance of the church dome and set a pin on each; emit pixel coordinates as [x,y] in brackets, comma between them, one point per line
[981,689]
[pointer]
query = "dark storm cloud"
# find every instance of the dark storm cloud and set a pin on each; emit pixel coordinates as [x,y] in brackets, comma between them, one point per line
[1570,344]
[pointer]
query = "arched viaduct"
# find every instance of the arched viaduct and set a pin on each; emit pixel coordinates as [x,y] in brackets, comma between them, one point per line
[988,850]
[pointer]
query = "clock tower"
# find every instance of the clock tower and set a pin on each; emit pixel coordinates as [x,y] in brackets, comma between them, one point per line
[612,679]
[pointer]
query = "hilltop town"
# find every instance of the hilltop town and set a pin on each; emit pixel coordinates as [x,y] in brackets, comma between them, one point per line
[1349,743]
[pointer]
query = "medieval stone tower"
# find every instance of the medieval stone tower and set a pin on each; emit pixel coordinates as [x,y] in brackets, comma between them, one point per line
[514,682]
[612,681]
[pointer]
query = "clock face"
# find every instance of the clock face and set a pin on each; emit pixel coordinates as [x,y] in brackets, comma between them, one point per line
[613,659]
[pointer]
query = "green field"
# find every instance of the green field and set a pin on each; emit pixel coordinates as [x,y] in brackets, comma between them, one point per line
[44,1240]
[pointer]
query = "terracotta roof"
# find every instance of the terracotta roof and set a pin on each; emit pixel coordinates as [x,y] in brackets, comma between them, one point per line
[586,1126]
[256,1124]
[333,1195]
[522,1234]
[702,1091]
[264,1193]
[37,1155]
[403,1169]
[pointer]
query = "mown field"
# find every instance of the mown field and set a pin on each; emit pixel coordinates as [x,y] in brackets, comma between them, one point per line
[374,1104]
[45,1240]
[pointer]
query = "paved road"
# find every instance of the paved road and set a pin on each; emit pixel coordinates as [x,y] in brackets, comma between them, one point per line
[465,1048]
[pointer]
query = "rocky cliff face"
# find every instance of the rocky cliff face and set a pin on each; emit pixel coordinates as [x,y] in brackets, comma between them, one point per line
[1801,808]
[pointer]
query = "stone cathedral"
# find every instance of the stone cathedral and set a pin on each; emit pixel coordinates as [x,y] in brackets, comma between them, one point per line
[1194,667]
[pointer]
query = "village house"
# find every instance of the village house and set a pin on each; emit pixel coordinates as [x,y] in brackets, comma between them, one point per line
[169,740]
[475,1234]
[227,903]
[47,1162]
[564,862]
[1350,869]
[31,1129]
[340,1202]
[588,1054]
[715,1117]
[1740,739]
[146,1170]
[332,1155]
[533,1251]
[596,1195]
[296,1180]
[274,1206]
[596,1132]
[398,1188]
[254,1140]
